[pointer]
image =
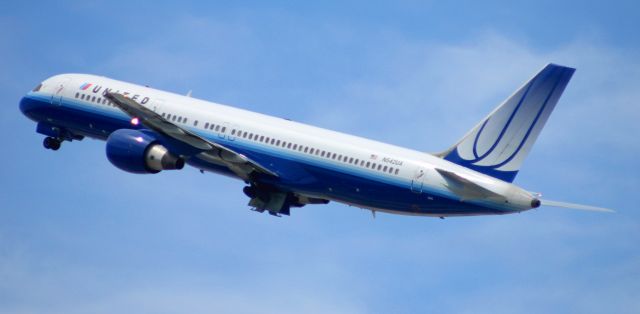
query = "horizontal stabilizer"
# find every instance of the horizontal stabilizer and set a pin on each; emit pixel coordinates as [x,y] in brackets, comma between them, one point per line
[466,189]
[576,206]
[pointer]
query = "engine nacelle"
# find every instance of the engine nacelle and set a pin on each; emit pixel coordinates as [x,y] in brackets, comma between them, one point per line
[137,152]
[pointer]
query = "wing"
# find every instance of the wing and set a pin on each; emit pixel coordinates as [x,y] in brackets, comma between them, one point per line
[187,143]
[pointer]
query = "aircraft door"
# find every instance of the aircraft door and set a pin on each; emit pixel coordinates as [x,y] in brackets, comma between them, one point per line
[230,131]
[58,91]
[417,182]
[157,105]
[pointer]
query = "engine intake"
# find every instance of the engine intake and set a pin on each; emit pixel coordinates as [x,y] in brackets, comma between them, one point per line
[138,152]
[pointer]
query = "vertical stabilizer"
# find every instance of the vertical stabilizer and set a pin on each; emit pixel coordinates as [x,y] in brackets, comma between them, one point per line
[498,145]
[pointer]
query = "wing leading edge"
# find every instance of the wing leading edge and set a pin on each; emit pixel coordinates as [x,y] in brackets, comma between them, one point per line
[186,143]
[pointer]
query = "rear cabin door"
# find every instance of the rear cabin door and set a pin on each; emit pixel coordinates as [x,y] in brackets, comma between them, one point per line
[417,182]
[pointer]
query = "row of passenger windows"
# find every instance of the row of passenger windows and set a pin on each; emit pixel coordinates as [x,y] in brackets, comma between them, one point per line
[214,127]
[177,118]
[97,100]
[315,152]
[263,139]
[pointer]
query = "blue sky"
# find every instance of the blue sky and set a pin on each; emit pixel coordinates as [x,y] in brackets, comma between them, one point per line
[79,236]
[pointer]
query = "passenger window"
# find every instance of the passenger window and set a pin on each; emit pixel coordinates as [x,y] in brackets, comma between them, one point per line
[310,152]
[163,114]
[82,96]
[350,160]
[295,146]
[224,129]
[368,164]
[379,166]
[77,95]
[93,99]
[262,138]
[195,123]
[384,169]
[289,145]
[206,125]
[218,128]
[233,132]
[397,170]
[104,101]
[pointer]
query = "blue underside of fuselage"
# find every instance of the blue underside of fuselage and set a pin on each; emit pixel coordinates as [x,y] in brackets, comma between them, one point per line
[309,175]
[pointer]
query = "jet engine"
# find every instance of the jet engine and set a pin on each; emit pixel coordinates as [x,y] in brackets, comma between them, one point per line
[138,152]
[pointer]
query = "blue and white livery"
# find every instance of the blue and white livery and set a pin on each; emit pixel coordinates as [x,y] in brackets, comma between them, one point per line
[286,164]
[499,144]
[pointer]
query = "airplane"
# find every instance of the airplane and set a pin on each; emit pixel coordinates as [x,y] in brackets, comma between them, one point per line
[287,164]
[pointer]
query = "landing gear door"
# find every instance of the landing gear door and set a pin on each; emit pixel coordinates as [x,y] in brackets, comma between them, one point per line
[417,182]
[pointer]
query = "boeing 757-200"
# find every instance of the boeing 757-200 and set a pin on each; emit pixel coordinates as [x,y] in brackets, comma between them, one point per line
[289,164]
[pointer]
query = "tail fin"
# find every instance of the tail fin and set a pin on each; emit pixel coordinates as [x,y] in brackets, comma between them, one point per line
[498,145]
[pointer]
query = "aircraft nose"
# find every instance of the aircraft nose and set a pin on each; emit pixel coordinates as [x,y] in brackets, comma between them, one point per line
[32,108]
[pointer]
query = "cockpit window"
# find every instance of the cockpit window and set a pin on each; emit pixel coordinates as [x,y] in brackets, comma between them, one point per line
[37,88]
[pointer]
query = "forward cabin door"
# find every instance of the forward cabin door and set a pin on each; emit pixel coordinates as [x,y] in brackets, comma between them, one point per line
[157,105]
[56,95]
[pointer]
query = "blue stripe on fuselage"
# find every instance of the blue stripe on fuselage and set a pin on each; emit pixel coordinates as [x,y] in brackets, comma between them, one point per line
[299,172]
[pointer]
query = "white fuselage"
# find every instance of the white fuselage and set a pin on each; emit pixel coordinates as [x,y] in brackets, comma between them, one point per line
[306,144]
